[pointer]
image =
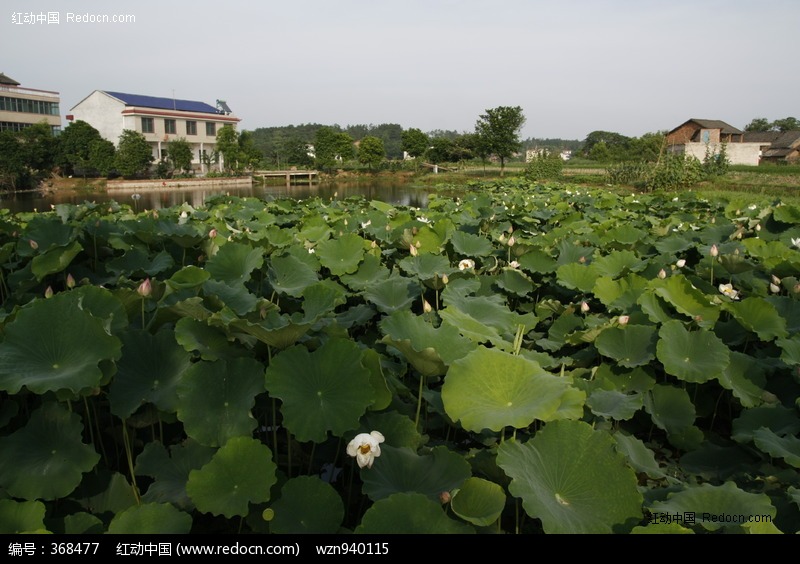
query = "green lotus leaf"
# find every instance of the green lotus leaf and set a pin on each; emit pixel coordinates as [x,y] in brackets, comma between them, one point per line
[654,307]
[786,213]
[673,244]
[641,458]
[54,260]
[392,294]
[138,260]
[761,528]
[570,477]
[241,472]
[46,233]
[322,298]
[626,234]
[413,335]
[171,470]
[617,263]
[621,295]
[479,502]
[791,350]
[776,446]
[188,277]
[788,309]
[715,507]
[151,518]
[469,245]
[276,330]
[688,300]
[371,271]
[409,513]
[426,266]
[21,516]
[198,336]
[341,255]
[234,262]
[670,408]
[613,404]
[696,356]
[716,462]
[402,470]
[104,492]
[215,399]
[47,458]
[571,253]
[537,261]
[235,296]
[611,377]
[426,240]
[314,228]
[780,420]
[325,390]
[53,346]
[371,360]
[290,275]
[577,276]
[490,310]
[514,282]
[630,346]
[744,376]
[759,316]
[102,304]
[83,523]
[398,429]
[490,389]
[307,505]
[148,372]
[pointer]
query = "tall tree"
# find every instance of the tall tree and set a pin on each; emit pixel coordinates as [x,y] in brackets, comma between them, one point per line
[371,151]
[134,154]
[73,147]
[228,147]
[179,153]
[786,124]
[758,124]
[499,129]
[331,146]
[415,142]
[101,156]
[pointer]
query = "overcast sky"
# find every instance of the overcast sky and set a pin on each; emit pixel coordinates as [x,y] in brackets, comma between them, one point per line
[574,66]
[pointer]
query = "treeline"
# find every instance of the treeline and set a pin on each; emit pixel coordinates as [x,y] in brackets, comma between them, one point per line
[611,147]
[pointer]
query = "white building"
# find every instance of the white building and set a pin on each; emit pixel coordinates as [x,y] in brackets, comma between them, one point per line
[22,107]
[160,120]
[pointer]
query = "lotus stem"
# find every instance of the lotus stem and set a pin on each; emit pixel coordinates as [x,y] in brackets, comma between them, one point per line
[129,455]
[419,401]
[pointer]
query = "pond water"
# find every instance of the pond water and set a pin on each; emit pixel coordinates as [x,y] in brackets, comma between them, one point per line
[387,190]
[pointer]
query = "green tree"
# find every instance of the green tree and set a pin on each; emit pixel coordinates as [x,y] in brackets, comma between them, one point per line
[228,147]
[101,156]
[249,156]
[13,170]
[415,142]
[440,149]
[74,146]
[296,152]
[331,146]
[499,129]
[786,124]
[179,153]
[615,144]
[371,151]
[134,155]
[758,124]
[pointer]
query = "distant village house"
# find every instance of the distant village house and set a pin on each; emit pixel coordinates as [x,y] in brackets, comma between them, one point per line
[699,137]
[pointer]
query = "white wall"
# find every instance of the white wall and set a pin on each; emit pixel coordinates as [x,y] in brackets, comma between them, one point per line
[738,153]
[103,113]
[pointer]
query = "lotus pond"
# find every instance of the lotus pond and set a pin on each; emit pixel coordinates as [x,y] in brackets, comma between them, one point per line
[522,359]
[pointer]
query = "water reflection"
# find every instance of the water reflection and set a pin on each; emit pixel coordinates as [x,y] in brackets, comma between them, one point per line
[391,191]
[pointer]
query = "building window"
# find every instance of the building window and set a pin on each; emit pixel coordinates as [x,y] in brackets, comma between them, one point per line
[147,125]
[191,128]
[169,127]
[211,129]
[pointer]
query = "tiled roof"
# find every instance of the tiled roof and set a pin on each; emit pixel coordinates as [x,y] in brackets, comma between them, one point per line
[8,80]
[162,103]
[716,124]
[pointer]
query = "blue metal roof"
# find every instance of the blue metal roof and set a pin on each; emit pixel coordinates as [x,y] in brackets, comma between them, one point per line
[163,103]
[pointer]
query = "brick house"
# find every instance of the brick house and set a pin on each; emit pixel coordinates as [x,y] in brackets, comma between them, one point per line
[776,146]
[698,137]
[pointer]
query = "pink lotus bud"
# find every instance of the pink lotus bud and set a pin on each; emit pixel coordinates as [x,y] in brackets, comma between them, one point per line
[34,244]
[775,279]
[445,279]
[212,233]
[584,307]
[775,289]
[714,250]
[445,498]
[145,289]
[511,241]
[70,281]
[426,307]
[413,250]
[681,263]
[49,292]
[662,273]
[623,319]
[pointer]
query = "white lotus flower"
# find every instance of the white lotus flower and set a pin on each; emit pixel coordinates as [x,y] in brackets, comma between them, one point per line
[714,251]
[466,264]
[513,264]
[623,319]
[796,242]
[365,448]
[774,289]
[681,263]
[727,289]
